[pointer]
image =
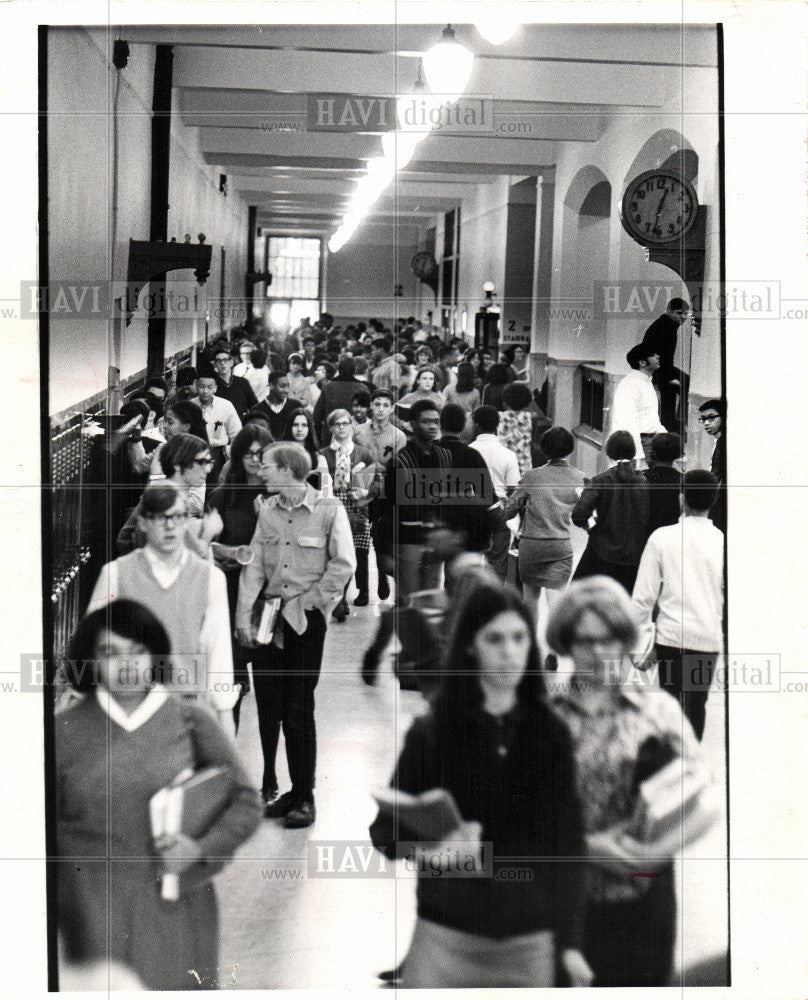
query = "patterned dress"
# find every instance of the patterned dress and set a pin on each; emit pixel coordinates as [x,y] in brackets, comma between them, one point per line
[515,431]
[340,463]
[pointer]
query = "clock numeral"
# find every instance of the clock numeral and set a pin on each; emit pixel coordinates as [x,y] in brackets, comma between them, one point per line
[678,220]
[670,228]
[661,182]
[641,194]
[657,231]
[648,227]
[638,218]
[634,206]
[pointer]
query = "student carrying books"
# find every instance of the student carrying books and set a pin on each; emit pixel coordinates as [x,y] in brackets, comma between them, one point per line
[123,742]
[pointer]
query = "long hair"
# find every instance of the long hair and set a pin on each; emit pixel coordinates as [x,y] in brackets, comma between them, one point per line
[465,377]
[426,368]
[479,601]
[236,474]
[310,442]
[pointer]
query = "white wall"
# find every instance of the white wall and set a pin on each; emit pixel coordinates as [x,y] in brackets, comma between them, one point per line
[81,82]
[361,278]
[80,89]
[483,242]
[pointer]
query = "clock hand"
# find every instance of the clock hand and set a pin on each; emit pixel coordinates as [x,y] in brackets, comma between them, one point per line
[659,206]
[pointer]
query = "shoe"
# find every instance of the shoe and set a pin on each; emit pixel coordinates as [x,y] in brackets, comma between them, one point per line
[301,815]
[341,612]
[361,601]
[391,975]
[280,807]
[370,666]
[384,587]
[269,796]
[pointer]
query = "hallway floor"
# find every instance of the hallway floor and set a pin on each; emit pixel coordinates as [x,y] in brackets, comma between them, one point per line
[282,928]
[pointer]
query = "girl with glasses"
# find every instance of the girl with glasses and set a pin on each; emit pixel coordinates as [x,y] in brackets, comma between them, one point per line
[236,502]
[186,462]
[630,927]
[348,464]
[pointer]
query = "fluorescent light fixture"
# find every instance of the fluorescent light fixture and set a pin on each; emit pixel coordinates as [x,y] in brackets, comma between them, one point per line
[448,66]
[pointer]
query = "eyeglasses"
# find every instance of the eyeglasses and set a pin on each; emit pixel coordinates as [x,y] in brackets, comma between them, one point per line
[707,419]
[255,453]
[221,361]
[167,519]
[341,423]
[204,461]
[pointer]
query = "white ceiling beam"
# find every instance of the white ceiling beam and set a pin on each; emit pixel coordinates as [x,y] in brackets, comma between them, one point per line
[661,43]
[284,71]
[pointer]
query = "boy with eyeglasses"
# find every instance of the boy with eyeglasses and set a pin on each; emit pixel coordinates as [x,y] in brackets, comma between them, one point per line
[187,593]
[713,419]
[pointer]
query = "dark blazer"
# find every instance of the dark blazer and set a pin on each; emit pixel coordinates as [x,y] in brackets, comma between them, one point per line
[238,392]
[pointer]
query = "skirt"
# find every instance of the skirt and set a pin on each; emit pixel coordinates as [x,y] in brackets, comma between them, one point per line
[545,562]
[443,957]
[357,518]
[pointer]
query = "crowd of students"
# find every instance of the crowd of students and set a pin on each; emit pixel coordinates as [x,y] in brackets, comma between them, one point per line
[260,481]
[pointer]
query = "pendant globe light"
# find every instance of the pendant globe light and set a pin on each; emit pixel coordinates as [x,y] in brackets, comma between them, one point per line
[414,111]
[497,26]
[448,66]
[399,147]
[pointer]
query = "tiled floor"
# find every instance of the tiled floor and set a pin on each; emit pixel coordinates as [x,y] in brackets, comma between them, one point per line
[282,928]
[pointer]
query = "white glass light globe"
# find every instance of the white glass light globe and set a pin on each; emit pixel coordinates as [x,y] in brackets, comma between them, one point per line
[497,26]
[399,147]
[447,66]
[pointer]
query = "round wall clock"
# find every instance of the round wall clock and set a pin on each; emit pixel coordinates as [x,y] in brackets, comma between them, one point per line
[659,207]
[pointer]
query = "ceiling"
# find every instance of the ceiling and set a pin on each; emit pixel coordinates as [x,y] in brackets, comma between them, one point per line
[248,90]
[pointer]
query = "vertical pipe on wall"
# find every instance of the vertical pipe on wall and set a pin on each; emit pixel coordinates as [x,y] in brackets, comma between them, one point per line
[160,162]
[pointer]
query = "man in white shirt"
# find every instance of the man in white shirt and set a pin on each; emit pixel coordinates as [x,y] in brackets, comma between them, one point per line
[221,420]
[187,593]
[504,468]
[635,407]
[682,575]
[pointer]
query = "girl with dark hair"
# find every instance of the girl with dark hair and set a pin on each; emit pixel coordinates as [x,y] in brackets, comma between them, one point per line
[463,392]
[491,740]
[300,429]
[237,503]
[619,499]
[181,417]
[496,379]
[185,461]
[124,741]
[516,423]
[184,417]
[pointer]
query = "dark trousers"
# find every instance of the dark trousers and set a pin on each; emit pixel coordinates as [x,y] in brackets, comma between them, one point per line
[631,943]
[672,399]
[241,655]
[687,674]
[591,564]
[284,681]
[497,554]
